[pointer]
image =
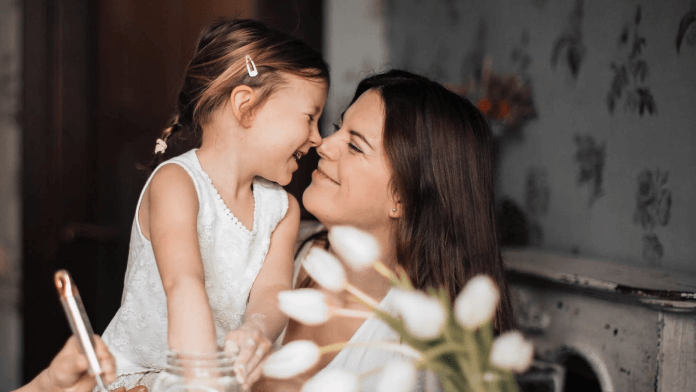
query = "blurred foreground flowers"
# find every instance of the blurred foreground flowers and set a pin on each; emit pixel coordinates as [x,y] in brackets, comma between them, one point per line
[455,342]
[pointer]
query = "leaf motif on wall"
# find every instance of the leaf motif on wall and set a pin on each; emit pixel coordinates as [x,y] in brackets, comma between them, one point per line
[653,199]
[570,43]
[684,24]
[630,74]
[590,157]
[653,251]
[653,209]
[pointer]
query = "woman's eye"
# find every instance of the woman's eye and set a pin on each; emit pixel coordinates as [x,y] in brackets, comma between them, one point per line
[311,118]
[336,127]
[354,147]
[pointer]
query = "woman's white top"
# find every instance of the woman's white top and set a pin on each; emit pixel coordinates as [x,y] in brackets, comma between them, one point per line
[232,257]
[367,359]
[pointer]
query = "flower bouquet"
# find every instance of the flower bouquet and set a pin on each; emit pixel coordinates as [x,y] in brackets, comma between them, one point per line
[505,100]
[455,342]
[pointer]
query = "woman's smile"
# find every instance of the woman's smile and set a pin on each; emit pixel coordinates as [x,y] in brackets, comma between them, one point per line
[321,175]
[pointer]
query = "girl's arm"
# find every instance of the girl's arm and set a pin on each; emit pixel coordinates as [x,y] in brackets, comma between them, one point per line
[263,321]
[173,217]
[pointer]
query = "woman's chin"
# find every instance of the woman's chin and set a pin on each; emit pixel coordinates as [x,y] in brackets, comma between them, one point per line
[312,200]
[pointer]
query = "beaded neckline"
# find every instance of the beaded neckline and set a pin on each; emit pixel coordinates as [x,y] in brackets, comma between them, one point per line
[226,209]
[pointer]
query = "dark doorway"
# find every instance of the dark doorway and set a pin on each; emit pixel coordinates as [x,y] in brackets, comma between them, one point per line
[100,79]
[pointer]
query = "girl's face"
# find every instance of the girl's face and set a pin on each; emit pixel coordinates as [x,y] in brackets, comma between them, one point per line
[351,184]
[285,126]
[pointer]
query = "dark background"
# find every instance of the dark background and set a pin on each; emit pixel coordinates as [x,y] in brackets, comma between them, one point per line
[100,83]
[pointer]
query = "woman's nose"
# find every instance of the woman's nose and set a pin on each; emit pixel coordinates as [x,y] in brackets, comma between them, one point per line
[327,149]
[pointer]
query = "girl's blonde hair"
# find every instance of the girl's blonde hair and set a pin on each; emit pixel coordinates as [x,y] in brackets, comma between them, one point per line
[219,65]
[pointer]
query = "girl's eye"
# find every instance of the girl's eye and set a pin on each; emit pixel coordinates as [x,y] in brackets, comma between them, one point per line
[354,148]
[311,118]
[336,127]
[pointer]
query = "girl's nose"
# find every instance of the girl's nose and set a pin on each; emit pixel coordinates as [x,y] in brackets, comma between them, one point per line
[315,137]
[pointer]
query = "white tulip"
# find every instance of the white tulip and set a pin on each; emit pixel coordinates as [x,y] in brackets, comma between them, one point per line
[512,352]
[307,306]
[325,269]
[398,376]
[334,380]
[292,359]
[357,248]
[423,315]
[476,304]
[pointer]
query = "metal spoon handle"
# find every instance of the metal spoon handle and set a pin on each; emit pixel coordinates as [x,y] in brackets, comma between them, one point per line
[79,323]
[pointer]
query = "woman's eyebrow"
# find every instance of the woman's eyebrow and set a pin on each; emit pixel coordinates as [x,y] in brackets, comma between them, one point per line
[356,133]
[361,137]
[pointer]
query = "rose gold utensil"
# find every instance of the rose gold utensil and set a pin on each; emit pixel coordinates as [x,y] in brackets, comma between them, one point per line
[79,323]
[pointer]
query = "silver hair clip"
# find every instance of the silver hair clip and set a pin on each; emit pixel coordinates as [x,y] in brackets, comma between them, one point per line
[251,69]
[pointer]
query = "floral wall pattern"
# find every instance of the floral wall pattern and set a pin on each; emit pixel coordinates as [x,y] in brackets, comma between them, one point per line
[628,84]
[653,204]
[614,172]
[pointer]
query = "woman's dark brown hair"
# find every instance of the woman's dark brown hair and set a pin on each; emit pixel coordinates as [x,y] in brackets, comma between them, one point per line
[439,147]
[218,66]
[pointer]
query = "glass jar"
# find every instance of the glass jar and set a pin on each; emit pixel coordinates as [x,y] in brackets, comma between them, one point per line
[196,372]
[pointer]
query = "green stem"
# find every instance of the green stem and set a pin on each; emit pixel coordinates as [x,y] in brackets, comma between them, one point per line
[472,368]
[448,375]
[445,348]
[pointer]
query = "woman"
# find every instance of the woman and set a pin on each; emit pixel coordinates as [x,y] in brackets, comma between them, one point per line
[410,164]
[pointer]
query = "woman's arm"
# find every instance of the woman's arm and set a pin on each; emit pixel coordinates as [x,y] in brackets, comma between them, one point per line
[68,370]
[263,320]
[173,217]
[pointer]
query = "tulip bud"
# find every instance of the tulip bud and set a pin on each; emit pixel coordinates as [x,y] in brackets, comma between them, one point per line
[476,304]
[357,248]
[307,306]
[512,352]
[292,359]
[423,315]
[325,269]
[334,380]
[398,376]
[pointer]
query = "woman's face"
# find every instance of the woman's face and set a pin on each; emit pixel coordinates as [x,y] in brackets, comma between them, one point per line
[351,183]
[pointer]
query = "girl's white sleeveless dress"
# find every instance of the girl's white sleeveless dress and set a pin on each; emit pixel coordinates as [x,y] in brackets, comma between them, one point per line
[232,257]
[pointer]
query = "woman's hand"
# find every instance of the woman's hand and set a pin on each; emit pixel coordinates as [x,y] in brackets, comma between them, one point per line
[251,345]
[68,371]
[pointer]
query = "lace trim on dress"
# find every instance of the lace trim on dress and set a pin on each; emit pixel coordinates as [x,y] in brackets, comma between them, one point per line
[229,213]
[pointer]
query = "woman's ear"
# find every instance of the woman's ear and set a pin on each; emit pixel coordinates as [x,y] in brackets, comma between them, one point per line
[395,204]
[396,211]
[242,99]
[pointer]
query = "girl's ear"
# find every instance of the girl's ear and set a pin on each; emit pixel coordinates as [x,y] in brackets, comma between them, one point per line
[242,99]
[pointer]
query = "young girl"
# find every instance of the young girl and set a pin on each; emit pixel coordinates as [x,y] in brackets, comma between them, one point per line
[213,234]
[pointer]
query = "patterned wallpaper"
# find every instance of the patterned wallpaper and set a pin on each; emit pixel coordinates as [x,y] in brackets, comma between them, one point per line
[607,167]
